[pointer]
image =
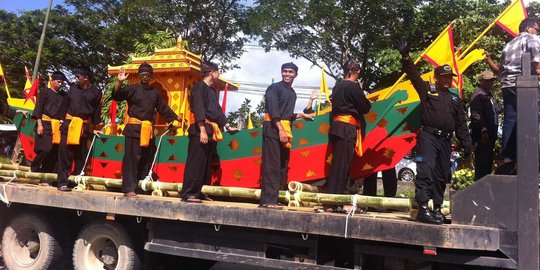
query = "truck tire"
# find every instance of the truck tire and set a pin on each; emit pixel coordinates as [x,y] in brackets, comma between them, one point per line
[30,243]
[104,245]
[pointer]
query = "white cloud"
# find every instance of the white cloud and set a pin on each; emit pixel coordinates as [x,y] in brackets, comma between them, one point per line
[258,68]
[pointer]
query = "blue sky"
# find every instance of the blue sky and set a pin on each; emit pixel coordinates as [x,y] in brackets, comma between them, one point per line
[14,6]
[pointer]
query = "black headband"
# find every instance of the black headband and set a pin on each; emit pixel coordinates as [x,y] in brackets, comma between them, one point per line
[289,65]
[145,67]
[57,75]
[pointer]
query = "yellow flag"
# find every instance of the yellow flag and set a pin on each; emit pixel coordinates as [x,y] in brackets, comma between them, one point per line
[441,51]
[28,83]
[5,82]
[49,82]
[512,16]
[472,57]
[250,123]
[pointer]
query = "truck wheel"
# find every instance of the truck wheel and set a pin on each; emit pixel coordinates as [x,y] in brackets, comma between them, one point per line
[104,245]
[406,175]
[29,243]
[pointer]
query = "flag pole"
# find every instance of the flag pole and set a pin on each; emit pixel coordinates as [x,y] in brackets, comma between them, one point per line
[41,40]
[487,29]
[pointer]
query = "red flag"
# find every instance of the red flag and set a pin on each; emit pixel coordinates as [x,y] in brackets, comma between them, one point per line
[112,113]
[32,92]
[512,16]
[224,103]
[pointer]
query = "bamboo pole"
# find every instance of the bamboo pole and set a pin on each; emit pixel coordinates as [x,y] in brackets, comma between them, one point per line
[159,188]
[295,186]
[14,167]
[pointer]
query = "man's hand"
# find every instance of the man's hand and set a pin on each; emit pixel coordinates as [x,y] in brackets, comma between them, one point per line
[25,113]
[403,47]
[122,76]
[97,132]
[314,94]
[283,136]
[40,129]
[308,116]
[232,129]
[204,138]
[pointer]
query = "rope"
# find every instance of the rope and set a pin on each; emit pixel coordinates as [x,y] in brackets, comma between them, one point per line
[88,155]
[350,213]
[3,195]
[149,176]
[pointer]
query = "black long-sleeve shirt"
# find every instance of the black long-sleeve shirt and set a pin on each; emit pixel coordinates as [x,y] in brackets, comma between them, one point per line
[348,99]
[142,104]
[441,109]
[205,106]
[484,112]
[6,111]
[85,103]
[279,101]
[50,103]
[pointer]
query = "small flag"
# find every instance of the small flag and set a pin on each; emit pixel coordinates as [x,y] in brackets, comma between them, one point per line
[250,123]
[31,92]
[512,16]
[49,82]
[224,102]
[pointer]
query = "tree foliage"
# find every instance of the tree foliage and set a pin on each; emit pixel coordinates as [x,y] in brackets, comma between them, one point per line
[239,118]
[98,33]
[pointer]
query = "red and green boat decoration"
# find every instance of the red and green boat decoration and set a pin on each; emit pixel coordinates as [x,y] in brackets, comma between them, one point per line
[391,128]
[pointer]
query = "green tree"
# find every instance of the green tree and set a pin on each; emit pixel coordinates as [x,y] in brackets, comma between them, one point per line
[240,115]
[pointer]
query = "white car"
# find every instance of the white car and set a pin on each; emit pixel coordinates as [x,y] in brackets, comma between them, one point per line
[406,169]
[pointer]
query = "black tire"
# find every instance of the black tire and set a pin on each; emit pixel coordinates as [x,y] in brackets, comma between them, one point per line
[104,245]
[29,243]
[407,175]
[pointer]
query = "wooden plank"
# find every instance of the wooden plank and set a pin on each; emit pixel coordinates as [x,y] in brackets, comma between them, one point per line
[360,226]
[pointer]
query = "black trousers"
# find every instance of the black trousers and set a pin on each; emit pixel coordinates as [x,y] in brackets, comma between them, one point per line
[389,180]
[275,169]
[66,155]
[46,153]
[198,166]
[342,157]
[433,167]
[136,163]
[483,155]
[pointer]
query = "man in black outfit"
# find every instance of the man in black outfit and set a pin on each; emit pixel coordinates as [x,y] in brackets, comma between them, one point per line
[484,124]
[280,100]
[82,117]
[203,134]
[51,107]
[143,100]
[349,104]
[442,114]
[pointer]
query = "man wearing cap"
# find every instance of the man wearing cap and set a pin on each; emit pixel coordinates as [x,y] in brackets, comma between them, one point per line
[484,124]
[442,114]
[143,100]
[280,99]
[509,69]
[349,104]
[204,134]
[82,117]
[50,109]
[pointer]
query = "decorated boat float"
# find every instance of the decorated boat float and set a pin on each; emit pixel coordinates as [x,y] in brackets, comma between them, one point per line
[391,128]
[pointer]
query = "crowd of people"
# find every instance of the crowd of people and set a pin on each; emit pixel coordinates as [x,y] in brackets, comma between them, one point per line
[66,120]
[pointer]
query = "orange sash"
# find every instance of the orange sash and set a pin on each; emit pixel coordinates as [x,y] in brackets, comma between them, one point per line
[286,126]
[55,126]
[146,130]
[75,129]
[218,136]
[352,121]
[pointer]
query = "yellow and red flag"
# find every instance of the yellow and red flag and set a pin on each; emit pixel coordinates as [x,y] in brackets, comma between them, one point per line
[512,16]
[442,52]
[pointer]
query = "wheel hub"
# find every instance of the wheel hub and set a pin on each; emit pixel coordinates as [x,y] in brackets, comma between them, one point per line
[27,251]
